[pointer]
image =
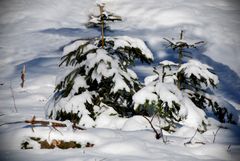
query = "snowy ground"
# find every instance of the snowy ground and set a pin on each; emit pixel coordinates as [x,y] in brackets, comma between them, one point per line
[34,33]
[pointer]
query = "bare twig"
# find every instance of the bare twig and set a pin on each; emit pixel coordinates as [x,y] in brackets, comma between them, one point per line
[215,134]
[101,6]
[229,146]
[74,126]
[199,42]
[190,141]
[157,134]
[181,35]
[23,75]
[57,130]
[200,142]
[13,97]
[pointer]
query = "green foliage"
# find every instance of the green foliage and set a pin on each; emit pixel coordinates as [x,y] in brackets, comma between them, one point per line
[221,112]
[161,109]
[63,115]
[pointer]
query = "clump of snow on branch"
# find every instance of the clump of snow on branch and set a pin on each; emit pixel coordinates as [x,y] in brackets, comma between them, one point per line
[122,41]
[196,68]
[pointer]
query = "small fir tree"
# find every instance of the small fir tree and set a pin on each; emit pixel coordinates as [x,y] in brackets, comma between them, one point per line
[161,97]
[100,76]
[180,92]
[198,80]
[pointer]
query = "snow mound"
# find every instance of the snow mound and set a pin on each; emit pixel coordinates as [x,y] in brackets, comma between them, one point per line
[135,123]
[129,148]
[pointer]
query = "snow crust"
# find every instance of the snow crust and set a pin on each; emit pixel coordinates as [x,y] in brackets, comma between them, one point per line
[108,118]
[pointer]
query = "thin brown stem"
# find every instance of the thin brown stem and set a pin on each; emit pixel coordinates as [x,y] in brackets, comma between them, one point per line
[102,19]
[215,134]
[23,75]
[190,141]
[181,35]
[157,134]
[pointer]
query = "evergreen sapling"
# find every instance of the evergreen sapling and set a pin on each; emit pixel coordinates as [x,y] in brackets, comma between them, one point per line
[178,93]
[100,79]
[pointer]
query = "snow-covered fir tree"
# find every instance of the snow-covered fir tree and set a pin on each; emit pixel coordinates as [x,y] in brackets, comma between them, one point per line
[161,97]
[181,92]
[99,79]
[198,80]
